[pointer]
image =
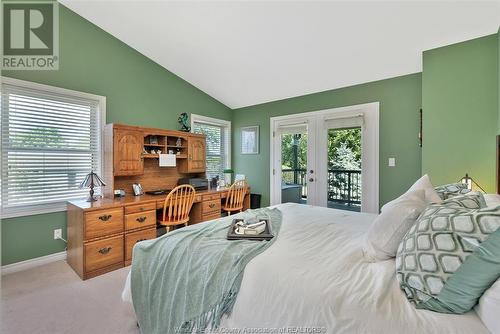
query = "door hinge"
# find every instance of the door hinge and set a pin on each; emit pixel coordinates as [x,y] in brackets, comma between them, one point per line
[274,171]
[274,134]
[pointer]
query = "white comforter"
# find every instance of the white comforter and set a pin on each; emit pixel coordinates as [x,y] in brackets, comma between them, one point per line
[314,278]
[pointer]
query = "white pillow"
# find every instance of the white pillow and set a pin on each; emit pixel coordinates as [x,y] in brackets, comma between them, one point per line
[389,228]
[431,195]
[492,199]
[488,308]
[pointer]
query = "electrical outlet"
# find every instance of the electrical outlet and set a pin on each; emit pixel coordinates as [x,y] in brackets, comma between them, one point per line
[57,234]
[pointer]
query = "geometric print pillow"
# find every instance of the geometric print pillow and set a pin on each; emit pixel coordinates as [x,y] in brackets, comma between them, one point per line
[435,247]
[472,200]
[450,190]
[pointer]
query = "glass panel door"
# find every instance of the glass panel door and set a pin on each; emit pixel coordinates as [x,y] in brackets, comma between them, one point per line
[344,168]
[293,161]
[294,167]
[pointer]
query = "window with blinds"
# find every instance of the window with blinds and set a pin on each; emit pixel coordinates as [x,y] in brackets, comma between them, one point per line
[50,141]
[217,145]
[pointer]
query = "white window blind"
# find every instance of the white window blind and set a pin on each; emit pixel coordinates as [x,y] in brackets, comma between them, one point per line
[217,145]
[50,141]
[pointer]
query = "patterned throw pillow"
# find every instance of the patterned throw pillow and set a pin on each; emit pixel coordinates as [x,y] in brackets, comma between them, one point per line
[471,200]
[437,245]
[450,190]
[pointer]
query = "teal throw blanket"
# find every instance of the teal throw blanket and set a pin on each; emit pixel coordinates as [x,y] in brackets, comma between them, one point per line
[186,280]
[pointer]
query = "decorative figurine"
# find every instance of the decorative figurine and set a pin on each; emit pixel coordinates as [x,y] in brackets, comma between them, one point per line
[178,143]
[183,121]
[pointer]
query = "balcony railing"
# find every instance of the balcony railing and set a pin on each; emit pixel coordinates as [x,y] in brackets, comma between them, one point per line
[343,186]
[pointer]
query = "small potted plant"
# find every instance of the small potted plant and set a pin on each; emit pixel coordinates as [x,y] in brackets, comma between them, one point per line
[228,177]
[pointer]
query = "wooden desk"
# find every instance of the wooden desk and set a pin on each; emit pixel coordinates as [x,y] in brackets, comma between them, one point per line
[102,234]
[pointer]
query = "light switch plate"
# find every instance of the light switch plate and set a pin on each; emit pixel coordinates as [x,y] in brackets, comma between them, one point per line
[392,162]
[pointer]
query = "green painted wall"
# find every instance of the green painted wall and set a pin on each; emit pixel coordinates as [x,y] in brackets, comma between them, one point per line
[460,103]
[400,100]
[138,91]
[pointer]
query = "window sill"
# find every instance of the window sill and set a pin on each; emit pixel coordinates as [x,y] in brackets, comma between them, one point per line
[31,210]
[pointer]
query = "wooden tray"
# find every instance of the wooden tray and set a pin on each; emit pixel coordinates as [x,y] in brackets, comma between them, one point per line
[266,235]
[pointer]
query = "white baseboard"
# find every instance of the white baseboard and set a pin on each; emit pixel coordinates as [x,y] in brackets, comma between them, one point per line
[31,263]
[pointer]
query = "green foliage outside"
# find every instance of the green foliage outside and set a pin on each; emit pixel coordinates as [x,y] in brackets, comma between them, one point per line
[344,150]
[344,153]
[40,137]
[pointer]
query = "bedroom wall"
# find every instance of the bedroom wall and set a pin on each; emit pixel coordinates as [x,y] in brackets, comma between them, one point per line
[400,101]
[460,106]
[138,92]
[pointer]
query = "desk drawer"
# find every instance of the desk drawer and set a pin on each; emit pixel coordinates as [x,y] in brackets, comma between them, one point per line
[140,219]
[103,222]
[210,197]
[210,216]
[140,208]
[103,253]
[132,238]
[210,206]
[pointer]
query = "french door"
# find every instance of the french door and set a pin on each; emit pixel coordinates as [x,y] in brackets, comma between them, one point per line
[327,158]
[293,172]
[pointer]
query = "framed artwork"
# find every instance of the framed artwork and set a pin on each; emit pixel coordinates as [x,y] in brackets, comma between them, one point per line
[250,140]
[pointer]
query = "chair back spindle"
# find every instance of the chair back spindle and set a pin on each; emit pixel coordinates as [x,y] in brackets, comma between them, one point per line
[235,196]
[177,205]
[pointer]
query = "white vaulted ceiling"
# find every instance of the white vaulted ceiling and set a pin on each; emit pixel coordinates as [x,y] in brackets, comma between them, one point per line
[248,52]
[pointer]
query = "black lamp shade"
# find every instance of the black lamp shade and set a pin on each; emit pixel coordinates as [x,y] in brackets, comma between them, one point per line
[91,180]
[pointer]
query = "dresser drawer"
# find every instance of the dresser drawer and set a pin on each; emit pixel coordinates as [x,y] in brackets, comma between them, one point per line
[210,197]
[132,238]
[102,253]
[140,208]
[210,216]
[210,206]
[140,219]
[103,222]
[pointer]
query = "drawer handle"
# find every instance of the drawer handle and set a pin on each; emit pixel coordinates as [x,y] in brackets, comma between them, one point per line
[211,206]
[104,250]
[141,240]
[105,218]
[141,219]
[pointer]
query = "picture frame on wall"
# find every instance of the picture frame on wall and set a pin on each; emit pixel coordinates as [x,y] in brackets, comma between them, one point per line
[250,140]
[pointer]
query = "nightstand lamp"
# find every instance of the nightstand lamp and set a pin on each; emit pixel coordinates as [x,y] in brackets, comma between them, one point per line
[91,180]
[471,184]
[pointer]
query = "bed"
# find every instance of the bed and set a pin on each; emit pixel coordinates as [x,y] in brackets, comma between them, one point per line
[315,277]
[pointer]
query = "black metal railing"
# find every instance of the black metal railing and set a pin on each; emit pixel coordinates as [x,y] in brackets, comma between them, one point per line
[344,186]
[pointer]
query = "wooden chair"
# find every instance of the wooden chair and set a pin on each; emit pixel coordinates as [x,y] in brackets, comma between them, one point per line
[177,206]
[235,197]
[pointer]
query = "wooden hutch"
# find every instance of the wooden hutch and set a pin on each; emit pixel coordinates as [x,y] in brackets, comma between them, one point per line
[102,234]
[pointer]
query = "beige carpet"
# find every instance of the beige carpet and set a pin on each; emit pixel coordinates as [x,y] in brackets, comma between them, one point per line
[53,299]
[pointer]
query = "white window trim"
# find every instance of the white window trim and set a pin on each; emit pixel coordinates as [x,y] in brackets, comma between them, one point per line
[29,210]
[218,122]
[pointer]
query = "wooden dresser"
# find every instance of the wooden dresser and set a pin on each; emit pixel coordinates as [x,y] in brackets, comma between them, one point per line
[102,234]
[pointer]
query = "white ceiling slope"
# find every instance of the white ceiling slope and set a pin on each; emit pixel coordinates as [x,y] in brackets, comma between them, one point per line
[244,53]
